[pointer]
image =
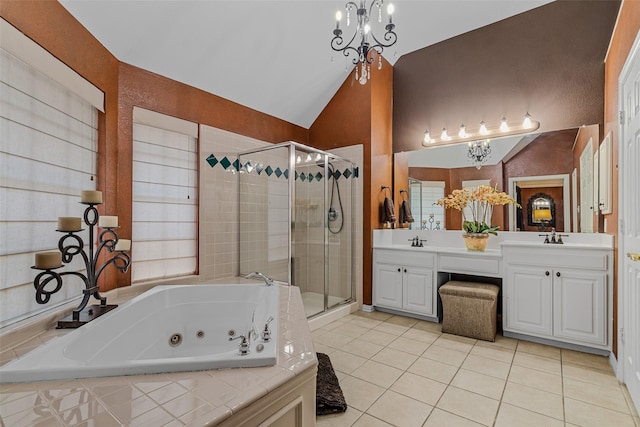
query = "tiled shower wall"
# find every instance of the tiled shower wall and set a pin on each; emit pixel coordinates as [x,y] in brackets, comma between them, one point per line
[219,242]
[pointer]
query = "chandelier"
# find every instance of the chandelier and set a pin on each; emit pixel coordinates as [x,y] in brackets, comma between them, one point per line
[360,44]
[478,152]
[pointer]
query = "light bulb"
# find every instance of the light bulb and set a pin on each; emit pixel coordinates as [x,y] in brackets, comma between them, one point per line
[427,137]
[463,132]
[308,159]
[444,136]
[390,9]
[483,128]
[526,123]
[298,159]
[504,127]
[367,28]
[318,157]
[338,16]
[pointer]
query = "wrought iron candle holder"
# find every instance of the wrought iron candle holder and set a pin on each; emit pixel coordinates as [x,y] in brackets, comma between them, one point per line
[71,245]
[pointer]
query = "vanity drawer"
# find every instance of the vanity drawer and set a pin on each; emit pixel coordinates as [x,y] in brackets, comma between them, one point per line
[408,257]
[482,266]
[582,259]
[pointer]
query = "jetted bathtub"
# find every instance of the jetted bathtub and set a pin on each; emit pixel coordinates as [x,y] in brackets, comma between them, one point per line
[169,328]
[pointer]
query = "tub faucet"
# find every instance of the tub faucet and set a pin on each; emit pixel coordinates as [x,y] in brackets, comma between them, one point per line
[245,343]
[268,281]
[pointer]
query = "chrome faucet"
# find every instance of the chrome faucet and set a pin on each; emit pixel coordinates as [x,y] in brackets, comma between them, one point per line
[268,281]
[553,239]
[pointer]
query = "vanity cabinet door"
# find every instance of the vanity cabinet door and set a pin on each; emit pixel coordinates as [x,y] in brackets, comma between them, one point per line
[387,290]
[580,306]
[418,290]
[529,300]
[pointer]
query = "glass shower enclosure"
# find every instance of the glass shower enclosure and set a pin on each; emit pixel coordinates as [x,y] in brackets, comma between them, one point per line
[296,206]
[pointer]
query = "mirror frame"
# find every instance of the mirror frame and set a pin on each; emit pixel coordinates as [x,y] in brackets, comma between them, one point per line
[565,195]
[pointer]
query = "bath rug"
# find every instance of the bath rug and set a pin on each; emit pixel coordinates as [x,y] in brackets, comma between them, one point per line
[329,397]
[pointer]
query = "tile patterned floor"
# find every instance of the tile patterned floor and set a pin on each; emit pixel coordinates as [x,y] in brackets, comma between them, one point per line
[399,371]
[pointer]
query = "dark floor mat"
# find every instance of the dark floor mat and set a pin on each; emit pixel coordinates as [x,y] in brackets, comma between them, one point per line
[329,397]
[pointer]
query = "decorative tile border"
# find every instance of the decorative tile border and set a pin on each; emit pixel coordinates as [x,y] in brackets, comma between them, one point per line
[248,167]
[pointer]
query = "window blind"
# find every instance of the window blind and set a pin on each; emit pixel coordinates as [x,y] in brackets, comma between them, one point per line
[164,228]
[48,143]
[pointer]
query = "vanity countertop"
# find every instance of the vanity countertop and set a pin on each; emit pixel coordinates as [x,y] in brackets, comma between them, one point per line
[440,250]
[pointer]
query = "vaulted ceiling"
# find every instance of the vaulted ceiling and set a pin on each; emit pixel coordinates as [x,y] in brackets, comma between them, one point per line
[272,56]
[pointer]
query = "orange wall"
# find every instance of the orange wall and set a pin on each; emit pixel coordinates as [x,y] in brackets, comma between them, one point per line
[623,37]
[51,26]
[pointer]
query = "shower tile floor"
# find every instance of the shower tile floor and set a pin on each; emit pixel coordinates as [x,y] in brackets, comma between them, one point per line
[399,371]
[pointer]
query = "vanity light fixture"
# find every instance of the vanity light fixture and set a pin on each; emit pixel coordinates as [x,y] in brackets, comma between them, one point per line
[483,132]
[359,43]
[479,152]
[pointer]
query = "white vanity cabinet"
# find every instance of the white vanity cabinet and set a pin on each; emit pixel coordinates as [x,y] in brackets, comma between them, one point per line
[404,281]
[557,293]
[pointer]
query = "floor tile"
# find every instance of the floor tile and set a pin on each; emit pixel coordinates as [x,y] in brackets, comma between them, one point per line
[425,325]
[399,410]
[346,362]
[351,330]
[362,348]
[539,349]
[433,369]
[482,384]
[469,405]
[496,353]
[587,415]
[534,400]
[392,328]
[538,363]
[487,366]
[537,379]
[602,396]
[367,420]
[590,375]
[333,339]
[454,342]
[360,394]
[421,335]
[445,355]
[378,337]
[419,388]
[375,315]
[396,358]
[343,419]
[510,416]
[377,373]
[402,320]
[440,418]
[409,345]
[586,359]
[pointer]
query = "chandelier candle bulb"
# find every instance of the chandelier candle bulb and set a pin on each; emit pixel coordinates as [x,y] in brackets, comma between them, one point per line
[108,221]
[123,245]
[48,260]
[66,223]
[91,196]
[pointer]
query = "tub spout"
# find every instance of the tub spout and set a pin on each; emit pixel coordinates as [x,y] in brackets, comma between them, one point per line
[268,281]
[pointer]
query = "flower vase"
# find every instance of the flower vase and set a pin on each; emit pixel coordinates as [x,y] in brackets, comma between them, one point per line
[476,241]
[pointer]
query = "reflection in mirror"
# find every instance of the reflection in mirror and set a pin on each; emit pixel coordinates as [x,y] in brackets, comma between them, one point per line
[541,211]
[537,163]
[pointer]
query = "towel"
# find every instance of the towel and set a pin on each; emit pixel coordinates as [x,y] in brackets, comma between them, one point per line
[405,212]
[389,212]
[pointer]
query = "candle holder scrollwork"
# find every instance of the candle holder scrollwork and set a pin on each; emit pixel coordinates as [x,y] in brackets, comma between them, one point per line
[72,245]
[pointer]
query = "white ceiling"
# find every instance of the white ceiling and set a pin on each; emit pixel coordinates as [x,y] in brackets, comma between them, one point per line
[272,56]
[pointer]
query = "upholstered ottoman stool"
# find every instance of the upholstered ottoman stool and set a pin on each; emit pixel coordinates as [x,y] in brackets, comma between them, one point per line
[469,309]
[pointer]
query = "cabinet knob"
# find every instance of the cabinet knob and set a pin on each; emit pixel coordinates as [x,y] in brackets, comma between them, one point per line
[546,273]
[405,270]
[557,274]
[399,270]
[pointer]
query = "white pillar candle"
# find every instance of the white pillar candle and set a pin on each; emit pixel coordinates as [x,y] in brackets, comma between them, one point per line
[45,260]
[108,221]
[90,196]
[67,223]
[123,245]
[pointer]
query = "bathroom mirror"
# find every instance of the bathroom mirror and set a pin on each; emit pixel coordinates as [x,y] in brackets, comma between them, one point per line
[548,163]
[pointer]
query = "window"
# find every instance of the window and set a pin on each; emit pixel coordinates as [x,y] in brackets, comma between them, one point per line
[164,228]
[423,199]
[48,143]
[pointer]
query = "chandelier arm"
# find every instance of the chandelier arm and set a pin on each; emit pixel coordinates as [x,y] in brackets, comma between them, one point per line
[390,37]
[377,3]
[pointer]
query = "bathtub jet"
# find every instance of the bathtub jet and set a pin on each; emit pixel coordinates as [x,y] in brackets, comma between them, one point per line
[170,328]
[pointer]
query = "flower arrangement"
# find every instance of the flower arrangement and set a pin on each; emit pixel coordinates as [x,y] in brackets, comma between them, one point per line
[480,200]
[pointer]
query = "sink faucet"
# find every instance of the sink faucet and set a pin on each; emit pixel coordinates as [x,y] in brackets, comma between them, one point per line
[553,239]
[268,281]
